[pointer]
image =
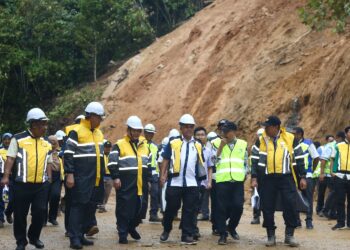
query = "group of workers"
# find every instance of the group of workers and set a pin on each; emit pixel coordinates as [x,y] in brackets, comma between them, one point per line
[188,169]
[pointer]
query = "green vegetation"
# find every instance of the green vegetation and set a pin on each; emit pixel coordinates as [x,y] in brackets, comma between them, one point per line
[321,14]
[48,48]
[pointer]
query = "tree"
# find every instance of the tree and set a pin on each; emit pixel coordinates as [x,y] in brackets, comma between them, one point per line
[106,25]
[320,14]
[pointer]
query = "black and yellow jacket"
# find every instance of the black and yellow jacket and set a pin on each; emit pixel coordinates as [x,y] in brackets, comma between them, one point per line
[83,157]
[3,156]
[31,159]
[131,163]
[277,156]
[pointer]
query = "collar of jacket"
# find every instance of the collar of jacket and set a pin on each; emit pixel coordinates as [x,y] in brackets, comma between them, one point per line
[87,124]
[31,134]
[282,131]
[141,141]
[191,140]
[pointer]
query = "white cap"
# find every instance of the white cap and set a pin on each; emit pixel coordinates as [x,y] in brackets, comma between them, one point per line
[174,133]
[187,119]
[134,122]
[150,128]
[165,141]
[211,135]
[95,108]
[60,135]
[260,131]
[36,114]
[80,117]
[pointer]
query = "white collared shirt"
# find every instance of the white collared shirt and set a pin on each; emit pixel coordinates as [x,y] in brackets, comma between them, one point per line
[189,151]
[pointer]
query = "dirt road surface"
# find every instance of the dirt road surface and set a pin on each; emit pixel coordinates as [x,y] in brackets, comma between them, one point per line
[252,236]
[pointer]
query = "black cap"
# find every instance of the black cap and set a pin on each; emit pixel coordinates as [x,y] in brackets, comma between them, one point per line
[107,144]
[229,126]
[272,121]
[222,122]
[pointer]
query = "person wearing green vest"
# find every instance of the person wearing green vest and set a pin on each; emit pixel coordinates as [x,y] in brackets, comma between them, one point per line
[149,133]
[215,140]
[326,181]
[311,159]
[342,180]
[231,169]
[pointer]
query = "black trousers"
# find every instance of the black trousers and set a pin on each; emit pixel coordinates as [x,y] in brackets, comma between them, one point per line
[29,195]
[230,200]
[213,206]
[204,194]
[270,186]
[54,196]
[144,200]
[342,188]
[155,196]
[189,196]
[328,207]
[80,219]
[309,194]
[68,204]
[128,211]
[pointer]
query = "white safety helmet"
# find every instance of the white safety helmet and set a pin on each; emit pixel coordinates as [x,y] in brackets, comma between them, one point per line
[95,108]
[36,114]
[150,128]
[211,135]
[187,119]
[260,131]
[134,122]
[174,133]
[80,117]
[60,135]
[165,141]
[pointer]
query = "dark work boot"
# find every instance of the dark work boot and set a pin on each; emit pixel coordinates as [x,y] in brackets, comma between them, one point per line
[271,238]
[289,238]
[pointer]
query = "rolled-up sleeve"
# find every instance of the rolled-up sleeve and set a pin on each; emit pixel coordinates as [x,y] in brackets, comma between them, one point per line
[113,161]
[313,151]
[69,151]
[13,148]
[326,153]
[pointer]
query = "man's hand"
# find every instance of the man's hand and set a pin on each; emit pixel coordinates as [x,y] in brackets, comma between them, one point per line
[254,183]
[70,181]
[303,184]
[223,141]
[117,184]
[5,180]
[162,181]
[209,186]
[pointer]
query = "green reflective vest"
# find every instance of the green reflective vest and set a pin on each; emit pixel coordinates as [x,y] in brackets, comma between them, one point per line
[317,172]
[231,164]
[154,150]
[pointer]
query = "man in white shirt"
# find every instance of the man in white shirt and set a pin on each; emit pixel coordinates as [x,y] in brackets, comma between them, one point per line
[182,168]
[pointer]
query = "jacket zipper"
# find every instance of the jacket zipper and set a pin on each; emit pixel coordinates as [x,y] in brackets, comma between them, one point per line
[36,159]
[230,161]
[274,158]
[230,165]
[347,158]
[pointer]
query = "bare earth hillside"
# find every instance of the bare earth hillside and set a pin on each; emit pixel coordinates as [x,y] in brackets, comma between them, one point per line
[240,60]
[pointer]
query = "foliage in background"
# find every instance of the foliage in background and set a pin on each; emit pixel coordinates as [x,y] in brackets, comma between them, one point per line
[48,48]
[321,14]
